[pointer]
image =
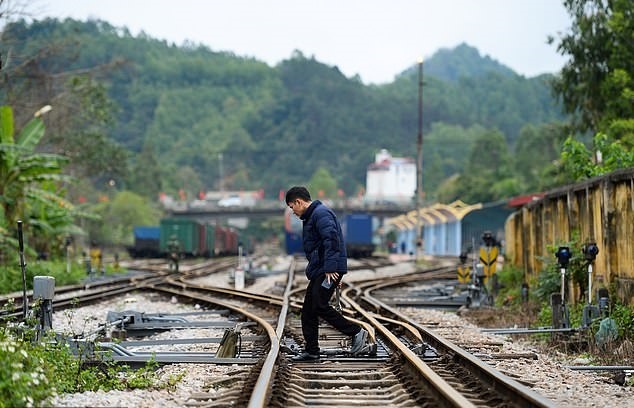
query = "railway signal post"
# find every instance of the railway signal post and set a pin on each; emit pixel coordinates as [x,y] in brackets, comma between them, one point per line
[561,319]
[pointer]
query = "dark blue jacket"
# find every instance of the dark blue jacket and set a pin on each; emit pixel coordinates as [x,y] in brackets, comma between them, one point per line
[323,241]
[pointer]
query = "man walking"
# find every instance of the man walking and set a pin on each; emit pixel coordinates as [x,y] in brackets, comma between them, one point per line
[327,263]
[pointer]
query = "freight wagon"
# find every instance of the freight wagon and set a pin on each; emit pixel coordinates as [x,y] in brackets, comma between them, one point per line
[191,236]
[146,242]
[195,238]
[357,228]
[358,235]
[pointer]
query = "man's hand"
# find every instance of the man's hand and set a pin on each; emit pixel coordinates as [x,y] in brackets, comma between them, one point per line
[331,276]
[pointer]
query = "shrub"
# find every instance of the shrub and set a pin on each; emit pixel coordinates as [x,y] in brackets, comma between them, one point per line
[23,373]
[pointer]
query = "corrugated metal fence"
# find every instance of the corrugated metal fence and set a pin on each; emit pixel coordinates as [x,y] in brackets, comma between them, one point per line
[599,209]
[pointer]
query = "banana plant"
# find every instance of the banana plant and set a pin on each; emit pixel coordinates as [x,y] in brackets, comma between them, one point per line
[27,177]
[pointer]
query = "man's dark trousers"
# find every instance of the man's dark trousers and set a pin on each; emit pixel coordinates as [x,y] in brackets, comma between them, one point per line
[316,306]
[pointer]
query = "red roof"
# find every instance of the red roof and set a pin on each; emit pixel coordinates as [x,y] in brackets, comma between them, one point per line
[519,201]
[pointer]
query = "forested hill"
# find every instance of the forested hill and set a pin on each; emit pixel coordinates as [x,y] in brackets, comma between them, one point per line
[203,114]
[460,62]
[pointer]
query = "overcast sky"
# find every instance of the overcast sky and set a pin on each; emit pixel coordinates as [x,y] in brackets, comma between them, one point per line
[375,39]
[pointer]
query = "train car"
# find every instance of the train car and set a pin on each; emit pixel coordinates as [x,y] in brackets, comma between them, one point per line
[292,234]
[358,234]
[211,241]
[221,242]
[146,242]
[191,236]
[231,238]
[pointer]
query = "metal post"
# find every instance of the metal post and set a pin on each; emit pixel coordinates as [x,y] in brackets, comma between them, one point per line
[419,159]
[221,184]
[590,283]
[25,301]
[563,285]
[67,260]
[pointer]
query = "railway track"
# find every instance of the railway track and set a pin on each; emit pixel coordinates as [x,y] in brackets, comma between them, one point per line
[395,374]
[94,290]
[398,370]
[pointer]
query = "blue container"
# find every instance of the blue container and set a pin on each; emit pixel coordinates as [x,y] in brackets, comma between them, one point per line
[146,242]
[147,233]
[358,231]
[293,241]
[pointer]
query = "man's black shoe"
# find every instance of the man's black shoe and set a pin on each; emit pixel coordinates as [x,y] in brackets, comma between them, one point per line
[305,356]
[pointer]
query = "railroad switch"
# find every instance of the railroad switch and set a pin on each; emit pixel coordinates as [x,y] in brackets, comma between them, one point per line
[143,324]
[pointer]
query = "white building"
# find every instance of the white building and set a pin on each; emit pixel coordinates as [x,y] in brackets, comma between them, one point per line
[390,179]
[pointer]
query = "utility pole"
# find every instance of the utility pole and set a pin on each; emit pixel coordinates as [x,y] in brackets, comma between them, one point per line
[419,161]
[221,183]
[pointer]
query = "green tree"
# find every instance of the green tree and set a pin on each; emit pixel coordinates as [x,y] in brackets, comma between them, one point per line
[24,173]
[145,177]
[445,149]
[536,152]
[322,183]
[597,83]
[578,161]
[488,175]
[119,215]
[79,128]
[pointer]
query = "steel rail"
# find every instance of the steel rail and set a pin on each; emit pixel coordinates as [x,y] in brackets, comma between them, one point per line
[262,387]
[444,392]
[272,299]
[507,386]
[112,286]
[179,290]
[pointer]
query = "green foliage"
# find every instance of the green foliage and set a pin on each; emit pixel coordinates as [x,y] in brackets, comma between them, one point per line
[145,177]
[118,217]
[510,279]
[30,186]
[193,104]
[22,170]
[596,83]
[32,372]
[545,315]
[536,152]
[549,280]
[578,161]
[80,128]
[454,64]
[487,175]
[445,150]
[322,184]
[11,274]
[623,315]
[24,379]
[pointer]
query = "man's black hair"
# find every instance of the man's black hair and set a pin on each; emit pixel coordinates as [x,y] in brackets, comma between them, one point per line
[297,192]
